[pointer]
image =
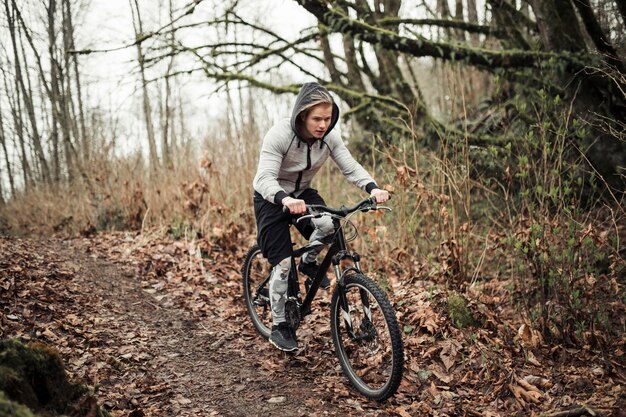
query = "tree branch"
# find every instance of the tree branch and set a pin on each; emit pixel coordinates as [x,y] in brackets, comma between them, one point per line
[601,42]
[488,60]
[444,23]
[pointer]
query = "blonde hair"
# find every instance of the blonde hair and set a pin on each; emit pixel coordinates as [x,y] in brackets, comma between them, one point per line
[317,97]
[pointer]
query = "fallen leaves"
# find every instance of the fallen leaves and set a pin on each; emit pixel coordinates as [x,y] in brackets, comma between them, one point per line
[449,350]
[449,371]
[529,337]
[526,394]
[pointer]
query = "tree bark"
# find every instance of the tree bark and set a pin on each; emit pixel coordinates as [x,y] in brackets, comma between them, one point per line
[27,97]
[7,162]
[54,95]
[147,108]
[81,137]
[505,17]
[166,152]
[458,15]
[606,153]
[18,124]
[472,18]
[597,35]
[443,9]
[558,25]
[329,60]
[419,47]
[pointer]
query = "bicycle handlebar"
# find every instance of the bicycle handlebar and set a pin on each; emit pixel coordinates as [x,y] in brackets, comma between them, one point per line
[366,204]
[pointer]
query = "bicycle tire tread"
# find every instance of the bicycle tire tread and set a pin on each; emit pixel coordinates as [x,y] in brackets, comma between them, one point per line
[252,252]
[394,332]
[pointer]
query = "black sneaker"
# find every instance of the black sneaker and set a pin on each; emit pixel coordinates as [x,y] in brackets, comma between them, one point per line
[283,337]
[310,269]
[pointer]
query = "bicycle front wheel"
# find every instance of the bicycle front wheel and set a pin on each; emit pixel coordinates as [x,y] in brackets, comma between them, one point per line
[367,339]
[256,272]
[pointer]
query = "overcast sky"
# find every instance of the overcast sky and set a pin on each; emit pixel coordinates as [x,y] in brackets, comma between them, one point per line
[107,24]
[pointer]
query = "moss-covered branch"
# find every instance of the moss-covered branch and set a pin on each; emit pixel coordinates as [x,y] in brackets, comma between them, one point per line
[514,13]
[443,23]
[419,46]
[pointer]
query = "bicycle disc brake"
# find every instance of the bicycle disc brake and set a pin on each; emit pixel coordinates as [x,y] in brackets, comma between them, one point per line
[367,332]
[292,312]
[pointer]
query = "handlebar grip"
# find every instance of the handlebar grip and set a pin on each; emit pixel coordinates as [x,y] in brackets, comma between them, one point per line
[287,211]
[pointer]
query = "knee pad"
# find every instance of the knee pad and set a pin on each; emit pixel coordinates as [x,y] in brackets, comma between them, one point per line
[324,225]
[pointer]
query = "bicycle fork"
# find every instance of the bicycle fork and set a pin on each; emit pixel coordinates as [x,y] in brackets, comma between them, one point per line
[343,299]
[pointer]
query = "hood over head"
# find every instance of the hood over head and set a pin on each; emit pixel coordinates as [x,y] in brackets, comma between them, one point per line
[305,97]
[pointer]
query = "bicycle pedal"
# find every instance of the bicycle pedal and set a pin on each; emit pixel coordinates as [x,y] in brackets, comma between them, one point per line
[262,298]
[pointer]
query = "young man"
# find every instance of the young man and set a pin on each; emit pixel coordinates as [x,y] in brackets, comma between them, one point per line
[292,153]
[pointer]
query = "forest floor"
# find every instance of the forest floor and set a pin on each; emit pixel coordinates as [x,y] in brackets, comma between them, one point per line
[159,327]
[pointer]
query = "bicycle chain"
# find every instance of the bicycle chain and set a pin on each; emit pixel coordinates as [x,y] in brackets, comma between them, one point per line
[292,312]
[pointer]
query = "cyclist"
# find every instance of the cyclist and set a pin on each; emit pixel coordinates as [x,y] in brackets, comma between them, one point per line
[292,152]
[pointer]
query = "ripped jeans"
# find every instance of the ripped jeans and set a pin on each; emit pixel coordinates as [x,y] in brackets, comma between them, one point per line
[280,273]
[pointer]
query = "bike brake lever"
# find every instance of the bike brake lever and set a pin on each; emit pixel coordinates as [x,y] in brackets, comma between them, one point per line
[308,216]
[370,205]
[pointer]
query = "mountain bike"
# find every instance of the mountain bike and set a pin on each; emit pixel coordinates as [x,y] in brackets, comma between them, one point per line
[364,329]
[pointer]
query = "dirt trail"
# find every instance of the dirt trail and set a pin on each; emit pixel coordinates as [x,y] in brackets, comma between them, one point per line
[159,327]
[145,357]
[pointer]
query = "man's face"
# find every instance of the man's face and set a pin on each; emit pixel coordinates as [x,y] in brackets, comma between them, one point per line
[317,121]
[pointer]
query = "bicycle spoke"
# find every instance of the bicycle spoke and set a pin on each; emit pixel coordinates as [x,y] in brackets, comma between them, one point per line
[370,355]
[368,341]
[256,274]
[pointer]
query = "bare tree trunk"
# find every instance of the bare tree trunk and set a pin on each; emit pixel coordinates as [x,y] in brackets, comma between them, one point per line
[182,126]
[54,96]
[505,17]
[329,60]
[165,127]
[597,35]
[65,75]
[7,160]
[472,17]
[556,20]
[6,155]
[18,124]
[444,13]
[147,109]
[28,100]
[83,140]
[59,100]
[458,15]
[391,81]
[558,25]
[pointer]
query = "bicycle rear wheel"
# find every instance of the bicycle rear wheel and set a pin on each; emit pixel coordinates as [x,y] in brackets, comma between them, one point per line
[256,272]
[368,342]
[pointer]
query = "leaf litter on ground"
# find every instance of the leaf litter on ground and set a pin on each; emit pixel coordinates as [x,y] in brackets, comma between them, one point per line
[499,368]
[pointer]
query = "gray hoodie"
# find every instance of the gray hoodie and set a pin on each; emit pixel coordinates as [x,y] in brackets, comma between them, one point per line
[288,163]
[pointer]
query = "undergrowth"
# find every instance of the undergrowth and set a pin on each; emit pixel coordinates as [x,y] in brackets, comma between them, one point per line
[521,223]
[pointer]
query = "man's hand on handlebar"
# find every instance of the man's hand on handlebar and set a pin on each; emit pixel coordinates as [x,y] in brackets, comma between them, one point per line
[294,205]
[380,195]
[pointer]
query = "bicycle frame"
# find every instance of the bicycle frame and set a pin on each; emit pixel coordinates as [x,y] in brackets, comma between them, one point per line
[337,251]
[363,324]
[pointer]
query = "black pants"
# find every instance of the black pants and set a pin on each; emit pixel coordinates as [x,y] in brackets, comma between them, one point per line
[273,225]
